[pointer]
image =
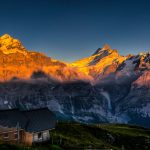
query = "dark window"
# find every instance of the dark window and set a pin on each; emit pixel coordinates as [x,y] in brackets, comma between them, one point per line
[6,135]
[39,135]
[16,136]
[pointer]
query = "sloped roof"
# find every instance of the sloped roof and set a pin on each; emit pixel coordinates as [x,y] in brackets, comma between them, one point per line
[10,118]
[31,120]
[40,119]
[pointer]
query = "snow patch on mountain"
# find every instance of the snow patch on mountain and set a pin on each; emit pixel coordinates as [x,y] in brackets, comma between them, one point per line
[54,106]
[128,67]
[106,95]
[97,110]
[145,110]
[84,118]
[123,118]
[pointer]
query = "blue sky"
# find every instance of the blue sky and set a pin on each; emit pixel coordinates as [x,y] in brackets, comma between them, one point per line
[71,29]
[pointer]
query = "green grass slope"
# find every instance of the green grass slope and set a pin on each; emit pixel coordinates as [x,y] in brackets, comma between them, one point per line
[103,136]
[74,136]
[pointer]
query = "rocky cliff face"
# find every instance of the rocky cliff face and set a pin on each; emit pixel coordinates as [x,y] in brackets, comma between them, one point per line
[104,87]
[17,62]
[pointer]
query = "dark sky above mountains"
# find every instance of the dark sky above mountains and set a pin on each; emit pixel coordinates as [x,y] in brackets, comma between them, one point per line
[72,29]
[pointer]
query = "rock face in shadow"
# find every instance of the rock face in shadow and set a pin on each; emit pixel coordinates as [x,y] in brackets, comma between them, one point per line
[80,101]
[104,87]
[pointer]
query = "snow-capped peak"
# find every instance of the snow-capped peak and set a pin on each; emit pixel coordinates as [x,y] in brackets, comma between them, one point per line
[104,48]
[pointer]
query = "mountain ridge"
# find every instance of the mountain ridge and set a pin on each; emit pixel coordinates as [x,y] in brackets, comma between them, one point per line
[102,62]
[104,87]
[16,61]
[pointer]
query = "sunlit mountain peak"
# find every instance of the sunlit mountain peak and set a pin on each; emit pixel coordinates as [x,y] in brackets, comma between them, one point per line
[106,47]
[10,45]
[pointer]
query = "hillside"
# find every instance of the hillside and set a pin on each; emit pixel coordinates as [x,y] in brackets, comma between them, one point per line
[103,136]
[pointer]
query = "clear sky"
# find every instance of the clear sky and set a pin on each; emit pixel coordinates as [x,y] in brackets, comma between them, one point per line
[72,29]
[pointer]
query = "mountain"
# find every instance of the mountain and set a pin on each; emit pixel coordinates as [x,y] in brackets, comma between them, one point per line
[17,62]
[103,62]
[104,87]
